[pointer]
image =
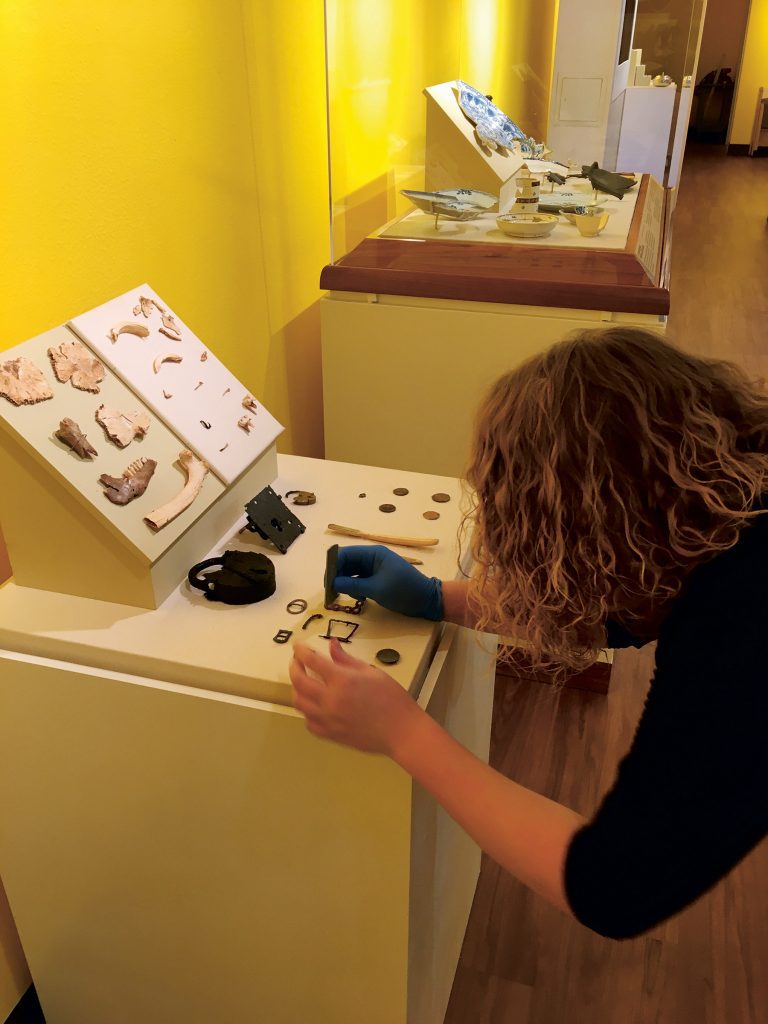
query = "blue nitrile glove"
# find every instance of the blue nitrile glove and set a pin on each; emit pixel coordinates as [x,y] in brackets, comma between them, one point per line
[376,572]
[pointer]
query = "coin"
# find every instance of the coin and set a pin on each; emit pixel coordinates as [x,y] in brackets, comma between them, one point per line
[388,656]
[400,491]
[431,514]
[387,508]
[440,497]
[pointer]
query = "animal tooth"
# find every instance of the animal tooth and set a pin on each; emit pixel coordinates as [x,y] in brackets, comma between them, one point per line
[169,357]
[128,327]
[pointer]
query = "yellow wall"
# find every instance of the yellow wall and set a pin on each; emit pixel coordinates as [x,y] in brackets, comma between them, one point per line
[753,74]
[14,974]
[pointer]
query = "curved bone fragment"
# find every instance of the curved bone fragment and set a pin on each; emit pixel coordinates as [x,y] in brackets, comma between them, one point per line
[246,423]
[71,435]
[169,357]
[169,322]
[72,361]
[249,402]
[132,484]
[122,427]
[195,469]
[145,305]
[170,334]
[23,383]
[128,327]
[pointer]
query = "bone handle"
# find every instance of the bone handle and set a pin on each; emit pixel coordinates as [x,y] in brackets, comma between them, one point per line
[405,542]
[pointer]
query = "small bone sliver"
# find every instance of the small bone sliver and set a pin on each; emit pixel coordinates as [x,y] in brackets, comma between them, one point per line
[71,360]
[170,357]
[70,434]
[122,427]
[170,334]
[196,470]
[128,327]
[132,484]
[144,306]
[23,383]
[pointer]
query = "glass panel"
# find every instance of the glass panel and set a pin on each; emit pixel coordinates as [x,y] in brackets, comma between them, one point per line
[394,118]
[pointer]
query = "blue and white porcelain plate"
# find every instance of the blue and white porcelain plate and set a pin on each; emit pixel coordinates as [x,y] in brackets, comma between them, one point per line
[492,125]
[456,203]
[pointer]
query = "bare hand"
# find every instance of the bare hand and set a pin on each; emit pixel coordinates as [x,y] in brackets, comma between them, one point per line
[346,700]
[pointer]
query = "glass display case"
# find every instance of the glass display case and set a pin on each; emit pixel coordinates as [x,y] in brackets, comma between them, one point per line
[497,178]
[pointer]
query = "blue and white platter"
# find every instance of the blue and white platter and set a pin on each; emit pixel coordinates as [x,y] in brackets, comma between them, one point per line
[492,125]
[456,203]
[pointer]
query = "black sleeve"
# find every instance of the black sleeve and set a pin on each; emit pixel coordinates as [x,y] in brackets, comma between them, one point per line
[618,636]
[689,799]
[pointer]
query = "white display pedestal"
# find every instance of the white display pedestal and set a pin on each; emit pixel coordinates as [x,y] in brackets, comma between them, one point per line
[177,847]
[644,134]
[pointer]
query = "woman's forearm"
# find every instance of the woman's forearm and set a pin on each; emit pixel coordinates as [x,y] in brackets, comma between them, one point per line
[455,602]
[524,832]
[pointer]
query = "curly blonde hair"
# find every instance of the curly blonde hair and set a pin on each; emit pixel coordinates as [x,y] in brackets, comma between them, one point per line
[603,470]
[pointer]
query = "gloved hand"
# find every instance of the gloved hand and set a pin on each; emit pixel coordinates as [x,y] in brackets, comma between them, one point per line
[376,572]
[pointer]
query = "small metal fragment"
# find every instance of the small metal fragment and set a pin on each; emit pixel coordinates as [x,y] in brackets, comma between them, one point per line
[198,385]
[226,392]
[440,497]
[347,609]
[362,495]
[387,508]
[282,636]
[225,447]
[351,627]
[400,491]
[297,606]
[312,618]
[206,425]
[431,514]
[388,656]
[167,394]
[302,497]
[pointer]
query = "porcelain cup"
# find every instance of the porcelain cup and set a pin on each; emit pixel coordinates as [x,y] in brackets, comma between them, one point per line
[589,224]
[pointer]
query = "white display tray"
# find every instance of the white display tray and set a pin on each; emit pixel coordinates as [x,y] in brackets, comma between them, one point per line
[191,641]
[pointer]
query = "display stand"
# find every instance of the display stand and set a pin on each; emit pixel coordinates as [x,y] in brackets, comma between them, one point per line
[62,532]
[414,333]
[177,846]
[454,156]
[644,134]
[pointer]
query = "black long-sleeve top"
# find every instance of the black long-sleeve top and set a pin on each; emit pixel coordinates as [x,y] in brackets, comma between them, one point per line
[689,800]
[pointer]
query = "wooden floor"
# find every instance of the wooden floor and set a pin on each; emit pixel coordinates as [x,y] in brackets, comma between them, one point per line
[523,962]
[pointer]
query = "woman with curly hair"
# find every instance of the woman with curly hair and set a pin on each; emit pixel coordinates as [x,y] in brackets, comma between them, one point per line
[619,491]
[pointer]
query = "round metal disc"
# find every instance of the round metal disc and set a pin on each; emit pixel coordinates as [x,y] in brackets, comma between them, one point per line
[388,656]
[400,491]
[387,508]
[431,514]
[361,495]
[440,497]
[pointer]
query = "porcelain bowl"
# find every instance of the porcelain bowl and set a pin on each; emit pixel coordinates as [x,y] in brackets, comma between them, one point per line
[523,225]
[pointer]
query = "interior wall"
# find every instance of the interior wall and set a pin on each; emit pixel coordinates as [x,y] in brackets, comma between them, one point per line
[723,37]
[753,74]
[14,973]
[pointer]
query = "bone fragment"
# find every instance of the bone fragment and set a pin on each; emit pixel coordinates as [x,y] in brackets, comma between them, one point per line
[167,394]
[198,385]
[157,306]
[128,327]
[122,489]
[406,542]
[246,423]
[122,427]
[195,469]
[249,402]
[137,310]
[72,361]
[170,357]
[170,334]
[203,357]
[72,436]
[22,383]
[170,323]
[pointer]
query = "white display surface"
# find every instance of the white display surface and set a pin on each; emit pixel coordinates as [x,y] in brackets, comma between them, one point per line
[199,643]
[216,401]
[35,426]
